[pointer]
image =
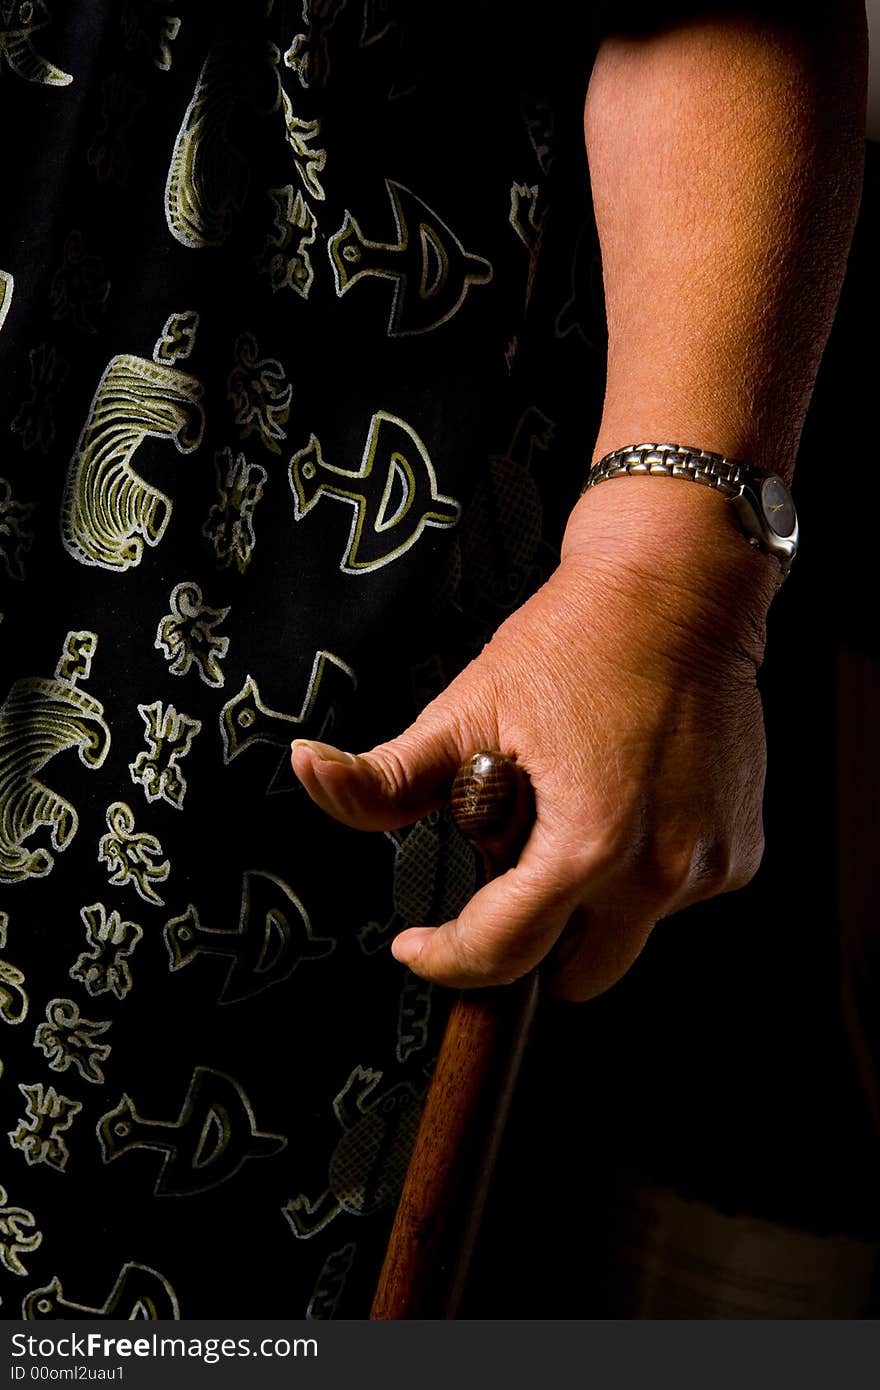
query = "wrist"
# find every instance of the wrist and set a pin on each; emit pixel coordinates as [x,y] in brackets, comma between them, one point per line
[763,504]
[678,550]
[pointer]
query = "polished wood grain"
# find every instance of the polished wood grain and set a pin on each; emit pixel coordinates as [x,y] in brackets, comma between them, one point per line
[438,1216]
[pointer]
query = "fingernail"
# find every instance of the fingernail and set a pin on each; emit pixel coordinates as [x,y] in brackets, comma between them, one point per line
[407,947]
[406,956]
[325,751]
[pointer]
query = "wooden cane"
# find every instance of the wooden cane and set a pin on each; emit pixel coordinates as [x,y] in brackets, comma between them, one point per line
[438,1216]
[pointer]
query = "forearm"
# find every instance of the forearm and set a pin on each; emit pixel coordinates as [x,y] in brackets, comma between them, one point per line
[725,157]
[725,169]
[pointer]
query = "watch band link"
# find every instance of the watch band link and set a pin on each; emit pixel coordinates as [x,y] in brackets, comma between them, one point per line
[724,475]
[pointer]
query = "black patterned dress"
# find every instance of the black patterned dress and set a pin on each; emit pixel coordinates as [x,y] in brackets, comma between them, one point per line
[300,360]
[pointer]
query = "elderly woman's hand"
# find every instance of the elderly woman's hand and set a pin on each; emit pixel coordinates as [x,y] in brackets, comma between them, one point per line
[626,688]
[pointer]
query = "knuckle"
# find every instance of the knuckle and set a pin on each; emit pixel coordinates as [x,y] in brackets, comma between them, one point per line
[598,853]
[482,954]
[484,959]
[391,767]
[747,862]
[723,865]
[663,866]
[670,869]
[712,868]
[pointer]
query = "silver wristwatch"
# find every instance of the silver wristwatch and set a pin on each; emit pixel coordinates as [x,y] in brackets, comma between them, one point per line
[763,504]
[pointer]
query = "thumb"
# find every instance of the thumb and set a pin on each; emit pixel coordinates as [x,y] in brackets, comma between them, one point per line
[393,784]
[506,928]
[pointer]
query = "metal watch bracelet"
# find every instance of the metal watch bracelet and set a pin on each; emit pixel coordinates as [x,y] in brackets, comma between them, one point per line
[672,461]
[764,507]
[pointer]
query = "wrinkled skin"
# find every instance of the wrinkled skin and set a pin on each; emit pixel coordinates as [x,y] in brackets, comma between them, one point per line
[628,694]
[725,197]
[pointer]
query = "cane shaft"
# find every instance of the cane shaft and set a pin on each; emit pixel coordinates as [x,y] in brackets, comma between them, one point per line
[438,1216]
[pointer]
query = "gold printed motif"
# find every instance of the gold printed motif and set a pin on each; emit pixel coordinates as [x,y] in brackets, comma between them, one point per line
[246,721]
[177,339]
[169,739]
[393,493]
[186,635]
[34,422]
[260,394]
[527,220]
[19,19]
[16,536]
[75,662]
[69,1040]
[284,257]
[309,53]
[230,523]
[105,969]
[583,313]
[302,134]
[379,19]
[13,995]
[214,1134]
[148,30]
[38,1135]
[7,285]
[110,153]
[273,936]
[208,177]
[369,1163]
[139,1292]
[132,857]
[38,720]
[309,160]
[416,997]
[109,513]
[331,1282]
[18,1234]
[79,289]
[427,264]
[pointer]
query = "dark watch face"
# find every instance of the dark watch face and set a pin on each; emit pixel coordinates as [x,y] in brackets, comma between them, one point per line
[777,506]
